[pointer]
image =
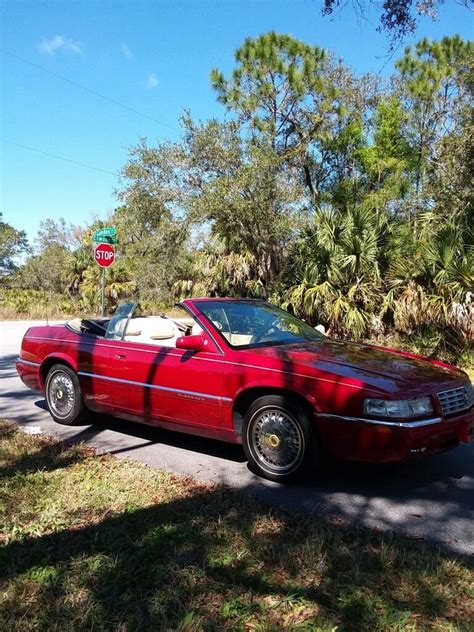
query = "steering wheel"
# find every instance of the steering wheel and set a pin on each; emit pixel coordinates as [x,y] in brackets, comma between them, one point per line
[262,333]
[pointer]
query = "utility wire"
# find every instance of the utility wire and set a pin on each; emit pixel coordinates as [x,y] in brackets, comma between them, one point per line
[45,153]
[90,90]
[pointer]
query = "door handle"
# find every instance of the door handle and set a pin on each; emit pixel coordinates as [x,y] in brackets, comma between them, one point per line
[119,356]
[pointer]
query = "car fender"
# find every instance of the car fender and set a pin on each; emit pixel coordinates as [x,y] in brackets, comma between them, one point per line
[277,386]
[51,359]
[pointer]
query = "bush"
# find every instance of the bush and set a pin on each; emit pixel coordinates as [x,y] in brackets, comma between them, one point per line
[35,304]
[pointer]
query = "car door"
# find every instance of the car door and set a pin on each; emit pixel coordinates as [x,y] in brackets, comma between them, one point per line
[154,381]
[93,360]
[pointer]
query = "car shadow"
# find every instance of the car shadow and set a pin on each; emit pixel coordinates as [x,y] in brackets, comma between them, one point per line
[154,435]
[191,443]
[394,481]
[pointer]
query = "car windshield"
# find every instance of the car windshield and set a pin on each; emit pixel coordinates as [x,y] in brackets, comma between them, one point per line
[256,323]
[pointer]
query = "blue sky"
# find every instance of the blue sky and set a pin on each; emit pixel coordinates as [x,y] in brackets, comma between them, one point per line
[154,57]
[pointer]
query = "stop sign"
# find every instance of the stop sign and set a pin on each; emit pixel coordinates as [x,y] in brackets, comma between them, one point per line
[104,255]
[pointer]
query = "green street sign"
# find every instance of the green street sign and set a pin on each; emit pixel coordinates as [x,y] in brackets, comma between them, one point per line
[105,239]
[105,232]
[105,236]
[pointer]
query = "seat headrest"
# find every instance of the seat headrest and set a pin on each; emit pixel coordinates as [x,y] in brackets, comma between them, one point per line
[133,329]
[162,329]
[75,324]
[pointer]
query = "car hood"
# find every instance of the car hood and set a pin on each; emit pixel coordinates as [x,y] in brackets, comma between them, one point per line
[379,368]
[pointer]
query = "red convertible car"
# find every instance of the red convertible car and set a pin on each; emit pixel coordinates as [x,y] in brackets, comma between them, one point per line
[247,372]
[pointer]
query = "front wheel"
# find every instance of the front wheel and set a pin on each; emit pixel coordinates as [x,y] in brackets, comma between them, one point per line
[63,396]
[279,439]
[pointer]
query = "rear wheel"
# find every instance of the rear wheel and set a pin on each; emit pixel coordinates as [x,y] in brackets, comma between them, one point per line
[63,395]
[279,439]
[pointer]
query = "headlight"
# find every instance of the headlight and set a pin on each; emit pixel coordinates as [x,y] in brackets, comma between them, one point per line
[404,408]
[470,391]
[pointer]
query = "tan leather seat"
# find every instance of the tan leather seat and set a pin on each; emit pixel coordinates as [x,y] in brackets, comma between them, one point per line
[75,325]
[153,330]
[134,328]
[239,339]
[184,322]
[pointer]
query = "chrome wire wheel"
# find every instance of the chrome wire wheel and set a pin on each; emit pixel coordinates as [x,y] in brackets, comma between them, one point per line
[61,394]
[276,440]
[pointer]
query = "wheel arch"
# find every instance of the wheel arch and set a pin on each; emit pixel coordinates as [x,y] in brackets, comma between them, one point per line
[245,398]
[50,361]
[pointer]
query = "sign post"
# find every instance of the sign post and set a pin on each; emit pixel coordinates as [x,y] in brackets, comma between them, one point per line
[104,255]
[102,293]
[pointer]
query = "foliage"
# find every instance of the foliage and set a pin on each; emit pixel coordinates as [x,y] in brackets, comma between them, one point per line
[45,271]
[12,244]
[35,304]
[345,199]
[397,17]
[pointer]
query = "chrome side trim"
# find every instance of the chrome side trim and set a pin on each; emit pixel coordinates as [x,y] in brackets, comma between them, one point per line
[157,387]
[51,339]
[384,422]
[29,362]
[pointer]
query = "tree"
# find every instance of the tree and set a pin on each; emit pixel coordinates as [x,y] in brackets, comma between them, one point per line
[45,271]
[152,220]
[435,84]
[13,243]
[58,233]
[239,189]
[307,106]
[450,178]
[397,17]
[275,73]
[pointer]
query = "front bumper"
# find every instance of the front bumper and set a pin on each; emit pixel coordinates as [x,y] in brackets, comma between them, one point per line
[384,441]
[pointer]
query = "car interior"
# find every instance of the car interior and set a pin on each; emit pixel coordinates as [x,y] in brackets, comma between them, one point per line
[157,330]
[240,323]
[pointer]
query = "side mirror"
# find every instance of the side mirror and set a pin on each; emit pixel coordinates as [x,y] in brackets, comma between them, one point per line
[192,343]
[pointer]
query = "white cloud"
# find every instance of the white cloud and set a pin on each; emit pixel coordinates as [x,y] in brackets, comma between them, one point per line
[126,52]
[59,42]
[152,81]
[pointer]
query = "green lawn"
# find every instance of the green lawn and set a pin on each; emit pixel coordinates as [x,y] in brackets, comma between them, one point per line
[92,542]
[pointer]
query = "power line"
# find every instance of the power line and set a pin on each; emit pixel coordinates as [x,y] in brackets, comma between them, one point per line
[46,153]
[82,87]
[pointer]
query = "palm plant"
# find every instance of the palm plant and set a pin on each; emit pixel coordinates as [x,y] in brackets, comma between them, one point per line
[336,269]
[224,273]
[434,287]
[81,260]
[119,285]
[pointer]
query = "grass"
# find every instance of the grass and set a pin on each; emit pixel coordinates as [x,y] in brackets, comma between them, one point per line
[94,543]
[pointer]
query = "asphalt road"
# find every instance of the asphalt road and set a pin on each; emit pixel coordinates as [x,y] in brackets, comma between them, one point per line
[432,499]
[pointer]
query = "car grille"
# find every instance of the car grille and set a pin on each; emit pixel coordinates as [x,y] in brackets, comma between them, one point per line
[456,399]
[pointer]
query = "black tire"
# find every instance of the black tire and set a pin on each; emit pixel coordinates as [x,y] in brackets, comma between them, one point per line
[63,396]
[279,439]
